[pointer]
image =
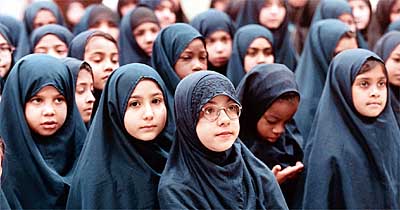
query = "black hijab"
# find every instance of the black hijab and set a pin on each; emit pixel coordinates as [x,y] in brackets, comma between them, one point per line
[18,36]
[34,8]
[60,31]
[198,178]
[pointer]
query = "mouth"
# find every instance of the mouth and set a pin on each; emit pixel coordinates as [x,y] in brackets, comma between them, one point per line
[105,77]
[148,127]
[49,124]
[374,104]
[225,134]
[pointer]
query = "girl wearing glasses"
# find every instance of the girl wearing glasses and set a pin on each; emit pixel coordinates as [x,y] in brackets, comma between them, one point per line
[208,166]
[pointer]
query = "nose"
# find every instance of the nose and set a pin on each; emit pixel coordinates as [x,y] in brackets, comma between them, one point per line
[109,66]
[148,112]
[90,98]
[375,92]
[149,37]
[261,58]
[274,9]
[219,47]
[223,119]
[198,65]
[278,130]
[48,110]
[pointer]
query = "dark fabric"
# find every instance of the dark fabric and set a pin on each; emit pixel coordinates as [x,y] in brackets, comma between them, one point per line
[41,167]
[209,22]
[241,42]
[313,67]
[285,53]
[198,178]
[18,36]
[117,171]
[352,161]
[60,31]
[6,34]
[395,26]
[94,14]
[258,90]
[383,48]
[168,46]
[32,10]
[3,201]
[131,52]
[77,46]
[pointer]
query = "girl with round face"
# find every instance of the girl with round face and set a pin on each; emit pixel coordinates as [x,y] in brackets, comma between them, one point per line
[42,125]
[164,10]
[353,117]
[252,45]
[52,40]
[133,134]
[218,30]
[139,29]
[207,153]
[42,13]
[362,13]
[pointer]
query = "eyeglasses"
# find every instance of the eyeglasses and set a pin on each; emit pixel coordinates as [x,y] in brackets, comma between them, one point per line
[212,112]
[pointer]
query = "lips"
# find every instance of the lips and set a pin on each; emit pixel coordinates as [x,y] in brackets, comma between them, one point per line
[224,133]
[374,103]
[148,127]
[49,124]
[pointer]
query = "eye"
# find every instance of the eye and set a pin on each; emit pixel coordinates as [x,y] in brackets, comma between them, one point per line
[381,83]
[186,57]
[210,110]
[59,100]
[156,101]
[364,84]
[251,52]
[233,108]
[36,100]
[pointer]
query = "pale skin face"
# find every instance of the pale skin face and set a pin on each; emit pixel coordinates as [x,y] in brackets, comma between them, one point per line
[192,59]
[393,66]
[84,98]
[102,56]
[126,8]
[146,113]
[5,56]
[219,135]
[45,113]
[50,44]
[219,48]
[345,43]
[348,20]
[395,12]
[145,34]
[361,13]
[107,27]
[272,14]
[75,12]
[369,92]
[259,51]
[44,17]
[165,13]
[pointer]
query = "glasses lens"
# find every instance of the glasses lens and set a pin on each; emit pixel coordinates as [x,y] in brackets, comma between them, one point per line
[233,111]
[210,112]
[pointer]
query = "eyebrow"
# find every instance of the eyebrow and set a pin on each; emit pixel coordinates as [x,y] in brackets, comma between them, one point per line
[368,78]
[136,96]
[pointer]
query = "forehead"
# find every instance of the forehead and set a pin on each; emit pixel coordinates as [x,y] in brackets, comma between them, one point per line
[99,43]
[195,45]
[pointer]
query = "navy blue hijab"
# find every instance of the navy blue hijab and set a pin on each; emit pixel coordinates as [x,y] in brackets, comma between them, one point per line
[333,9]
[394,26]
[313,66]
[383,48]
[198,178]
[117,171]
[18,36]
[93,14]
[168,46]
[131,52]
[352,161]
[258,90]
[42,167]
[60,31]
[285,52]
[211,21]
[241,42]
[35,7]
[3,200]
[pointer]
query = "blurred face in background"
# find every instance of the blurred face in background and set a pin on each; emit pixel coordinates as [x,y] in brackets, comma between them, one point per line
[219,48]
[44,17]
[259,51]
[361,13]
[165,13]
[5,56]
[52,45]
[272,14]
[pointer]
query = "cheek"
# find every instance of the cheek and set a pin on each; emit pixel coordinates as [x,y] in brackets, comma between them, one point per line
[263,128]
[62,112]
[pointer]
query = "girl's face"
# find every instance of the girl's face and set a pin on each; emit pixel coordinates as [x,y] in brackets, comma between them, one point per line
[193,58]
[259,51]
[46,111]
[395,12]
[146,113]
[345,43]
[107,27]
[75,11]
[145,34]
[102,56]
[84,94]
[126,8]
[393,66]
[361,13]
[219,48]
[218,125]
[5,56]
[165,13]
[349,21]
[369,92]
[44,17]
[52,45]
[272,14]
[272,124]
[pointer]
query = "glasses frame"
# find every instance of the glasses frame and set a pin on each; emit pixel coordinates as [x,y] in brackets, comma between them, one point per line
[219,112]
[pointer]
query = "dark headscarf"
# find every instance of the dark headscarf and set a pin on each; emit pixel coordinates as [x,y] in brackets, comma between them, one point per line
[93,14]
[241,42]
[198,178]
[380,21]
[383,48]
[131,52]
[117,171]
[18,36]
[34,8]
[352,160]
[6,34]
[60,31]
[168,46]
[333,9]
[285,53]
[313,67]
[395,26]
[211,21]
[42,167]
[258,90]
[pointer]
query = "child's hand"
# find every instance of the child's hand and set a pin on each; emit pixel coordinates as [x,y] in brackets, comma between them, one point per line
[287,173]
